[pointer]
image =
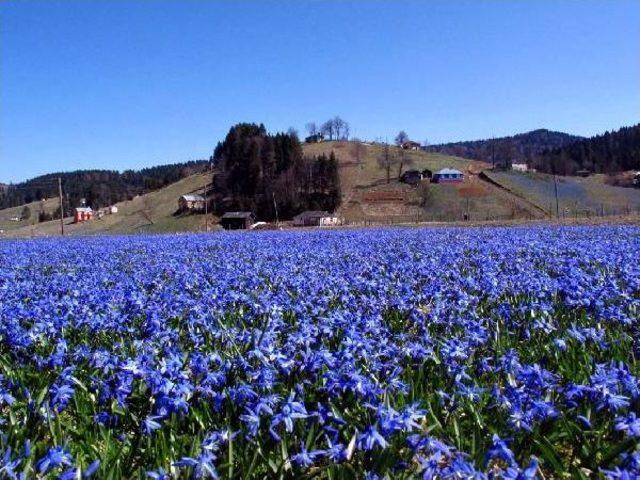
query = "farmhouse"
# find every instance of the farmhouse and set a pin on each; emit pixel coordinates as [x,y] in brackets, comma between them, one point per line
[410,145]
[411,177]
[237,220]
[191,203]
[519,167]
[82,214]
[317,138]
[448,175]
[315,218]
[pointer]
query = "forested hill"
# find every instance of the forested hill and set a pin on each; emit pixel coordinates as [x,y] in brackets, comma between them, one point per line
[260,172]
[98,187]
[607,153]
[521,148]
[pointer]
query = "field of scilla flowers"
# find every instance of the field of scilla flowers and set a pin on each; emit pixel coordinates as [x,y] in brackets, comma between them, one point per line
[381,353]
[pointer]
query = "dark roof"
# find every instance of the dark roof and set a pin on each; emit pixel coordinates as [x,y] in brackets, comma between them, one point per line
[237,215]
[313,213]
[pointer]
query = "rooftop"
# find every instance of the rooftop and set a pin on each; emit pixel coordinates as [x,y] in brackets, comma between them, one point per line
[449,171]
[237,215]
[193,198]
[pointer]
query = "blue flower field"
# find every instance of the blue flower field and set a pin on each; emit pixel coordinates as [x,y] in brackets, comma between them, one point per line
[507,353]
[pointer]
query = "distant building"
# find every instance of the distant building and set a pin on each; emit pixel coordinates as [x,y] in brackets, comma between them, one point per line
[636,179]
[317,138]
[191,203]
[237,220]
[448,175]
[583,173]
[412,177]
[410,145]
[315,218]
[519,167]
[82,214]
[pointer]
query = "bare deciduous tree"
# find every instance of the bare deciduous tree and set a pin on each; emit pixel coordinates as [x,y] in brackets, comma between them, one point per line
[312,128]
[401,138]
[327,129]
[387,160]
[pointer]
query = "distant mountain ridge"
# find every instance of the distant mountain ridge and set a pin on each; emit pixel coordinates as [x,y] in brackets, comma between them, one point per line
[520,148]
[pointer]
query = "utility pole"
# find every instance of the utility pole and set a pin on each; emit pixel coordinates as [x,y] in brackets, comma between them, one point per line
[206,200]
[275,206]
[206,211]
[61,207]
[555,186]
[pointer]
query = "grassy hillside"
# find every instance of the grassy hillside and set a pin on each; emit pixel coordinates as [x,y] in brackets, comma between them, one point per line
[368,197]
[153,212]
[576,195]
[6,224]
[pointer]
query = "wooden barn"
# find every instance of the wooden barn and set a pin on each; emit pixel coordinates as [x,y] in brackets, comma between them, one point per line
[191,203]
[411,177]
[410,145]
[237,220]
[315,218]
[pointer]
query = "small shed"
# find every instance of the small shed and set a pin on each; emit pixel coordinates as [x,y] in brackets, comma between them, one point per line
[315,218]
[519,167]
[82,214]
[191,203]
[412,177]
[237,220]
[448,175]
[410,145]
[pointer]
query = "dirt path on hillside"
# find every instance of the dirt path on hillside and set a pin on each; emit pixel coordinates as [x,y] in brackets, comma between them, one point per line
[510,198]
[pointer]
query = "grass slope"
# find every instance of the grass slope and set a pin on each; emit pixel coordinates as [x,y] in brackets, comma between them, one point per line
[576,195]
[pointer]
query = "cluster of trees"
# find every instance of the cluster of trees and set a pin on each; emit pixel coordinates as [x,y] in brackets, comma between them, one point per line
[99,188]
[394,160]
[610,152]
[333,129]
[503,151]
[269,175]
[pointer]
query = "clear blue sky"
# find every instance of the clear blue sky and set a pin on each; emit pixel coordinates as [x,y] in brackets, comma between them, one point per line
[125,84]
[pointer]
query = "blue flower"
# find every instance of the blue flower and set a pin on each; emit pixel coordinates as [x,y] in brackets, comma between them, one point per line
[55,457]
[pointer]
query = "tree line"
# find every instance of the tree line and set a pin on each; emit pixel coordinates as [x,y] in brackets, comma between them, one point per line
[610,152]
[269,175]
[503,151]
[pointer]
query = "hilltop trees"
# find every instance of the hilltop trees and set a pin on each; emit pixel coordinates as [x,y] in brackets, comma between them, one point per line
[258,169]
[607,153]
[333,129]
